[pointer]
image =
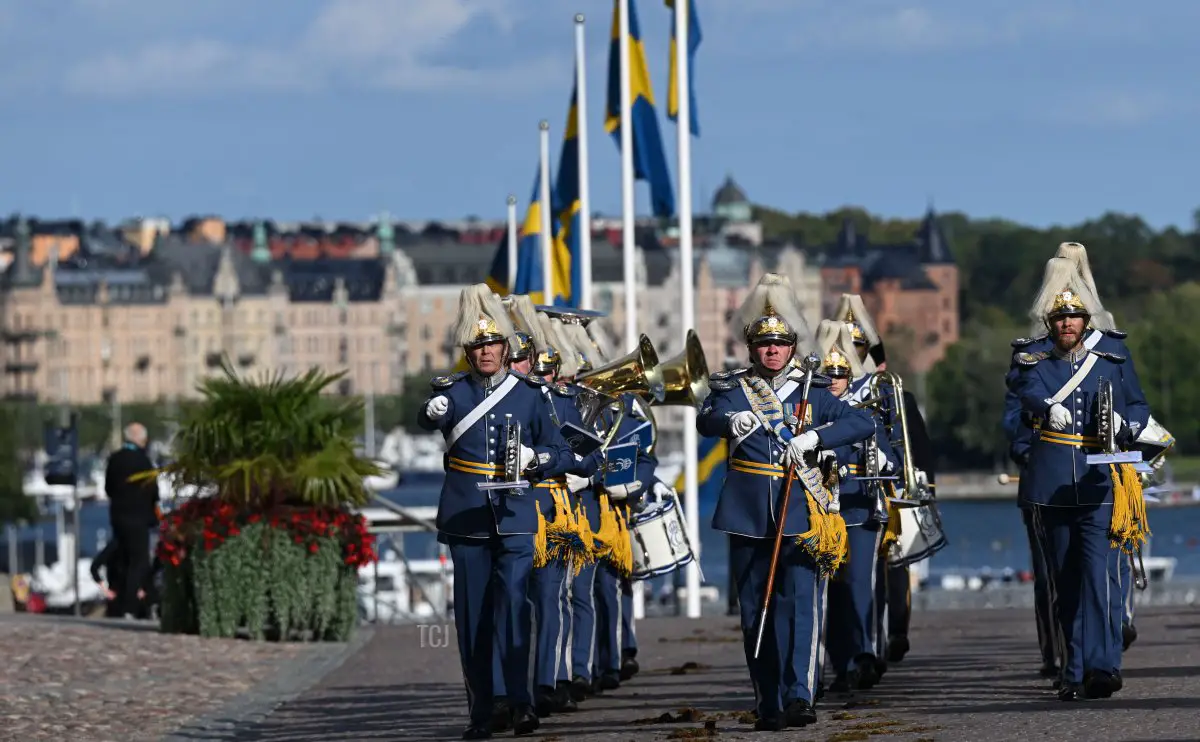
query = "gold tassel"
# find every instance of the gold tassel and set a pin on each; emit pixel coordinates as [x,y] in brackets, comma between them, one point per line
[1129,526]
[567,543]
[624,556]
[585,532]
[891,534]
[540,555]
[825,540]
[605,538]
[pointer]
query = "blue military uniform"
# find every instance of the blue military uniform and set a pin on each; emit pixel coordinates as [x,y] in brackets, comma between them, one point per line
[747,509]
[853,640]
[548,586]
[1018,426]
[491,533]
[609,587]
[1107,341]
[1072,501]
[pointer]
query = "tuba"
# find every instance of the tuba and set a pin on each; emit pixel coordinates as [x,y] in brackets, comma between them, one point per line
[685,383]
[913,490]
[636,373]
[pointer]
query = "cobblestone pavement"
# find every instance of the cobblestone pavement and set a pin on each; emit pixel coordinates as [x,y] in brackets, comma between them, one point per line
[64,678]
[971,675]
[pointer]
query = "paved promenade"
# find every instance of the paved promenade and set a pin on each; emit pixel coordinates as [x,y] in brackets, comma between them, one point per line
[970,676]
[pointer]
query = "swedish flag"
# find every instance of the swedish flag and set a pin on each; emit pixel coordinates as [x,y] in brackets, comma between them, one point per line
[694,37]
[710,471]
[649,159]
[568,264]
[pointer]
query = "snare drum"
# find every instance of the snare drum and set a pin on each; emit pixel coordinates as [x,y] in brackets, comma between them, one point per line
[659,540]
[921,536]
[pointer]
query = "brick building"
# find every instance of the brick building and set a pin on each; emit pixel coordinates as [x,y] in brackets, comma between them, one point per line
[909,288]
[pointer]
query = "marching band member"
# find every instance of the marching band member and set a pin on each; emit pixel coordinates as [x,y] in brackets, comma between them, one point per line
[491,534]
[566,547]
[1018,426]
[1079,509]
[574,671]
[1113,337]
[751,407]
[852,592]
[614,548]
[1105,337]
[893,600]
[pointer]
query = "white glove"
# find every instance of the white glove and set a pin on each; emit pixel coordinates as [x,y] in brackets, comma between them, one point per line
[1059,417]
[436,407]
[1118,422]
[620,492]
[806,441]
[885,464]
[662,491]
[742,423]
[576,483]
[922,479]
[525,457]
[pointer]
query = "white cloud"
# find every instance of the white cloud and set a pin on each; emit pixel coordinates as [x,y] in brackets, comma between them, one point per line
[921,28]
[390,44]
[1114,108]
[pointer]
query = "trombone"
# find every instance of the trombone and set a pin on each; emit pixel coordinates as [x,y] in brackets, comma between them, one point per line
[915,493]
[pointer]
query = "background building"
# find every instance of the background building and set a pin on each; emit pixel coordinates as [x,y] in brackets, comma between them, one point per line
[144,312]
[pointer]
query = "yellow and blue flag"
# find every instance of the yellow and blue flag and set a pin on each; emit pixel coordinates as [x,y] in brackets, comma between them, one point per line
[694,38]
[567,207]
[649,159]
[711,455]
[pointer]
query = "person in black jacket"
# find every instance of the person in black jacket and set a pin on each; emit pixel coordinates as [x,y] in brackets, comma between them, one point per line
[133,511]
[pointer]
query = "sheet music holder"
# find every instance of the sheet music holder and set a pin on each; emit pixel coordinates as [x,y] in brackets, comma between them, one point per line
[620,464]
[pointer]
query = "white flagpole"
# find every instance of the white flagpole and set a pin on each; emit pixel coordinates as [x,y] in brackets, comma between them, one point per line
[683,131]
[547,235]
[581,138]
[627,206]
[512,242]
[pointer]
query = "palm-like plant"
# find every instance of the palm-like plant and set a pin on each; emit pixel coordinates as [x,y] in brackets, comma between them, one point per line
[273,441]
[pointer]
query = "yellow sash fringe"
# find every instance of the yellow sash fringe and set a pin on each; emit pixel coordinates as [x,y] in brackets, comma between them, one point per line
[826,540]
[612,540]
[892,533]
[565,538]
[1130,526]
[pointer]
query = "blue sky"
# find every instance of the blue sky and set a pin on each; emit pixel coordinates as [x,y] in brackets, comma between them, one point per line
[1042,111]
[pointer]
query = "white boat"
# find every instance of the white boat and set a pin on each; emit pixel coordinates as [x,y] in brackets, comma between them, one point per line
[397,590]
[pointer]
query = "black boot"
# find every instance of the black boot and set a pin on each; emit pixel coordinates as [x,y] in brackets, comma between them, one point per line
[501,715]
[867,671]
[562,697]
[897,648]
[629,666]
[545,702]
[800,714]
[581,688]
[1128,636]
[524,721]
[610,680]
[477,731]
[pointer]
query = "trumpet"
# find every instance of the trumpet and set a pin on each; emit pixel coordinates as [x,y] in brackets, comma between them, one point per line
[913,490]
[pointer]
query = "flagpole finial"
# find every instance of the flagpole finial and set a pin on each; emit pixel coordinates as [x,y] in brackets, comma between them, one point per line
[579,18]
[544,125]
[512,200]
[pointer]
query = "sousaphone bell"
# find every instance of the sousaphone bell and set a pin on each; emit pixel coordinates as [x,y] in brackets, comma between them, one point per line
[635,373]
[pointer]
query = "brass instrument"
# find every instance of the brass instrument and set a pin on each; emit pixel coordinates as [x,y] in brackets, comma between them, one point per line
[1003,478]
[915,493]
[636,372]
[685,383]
